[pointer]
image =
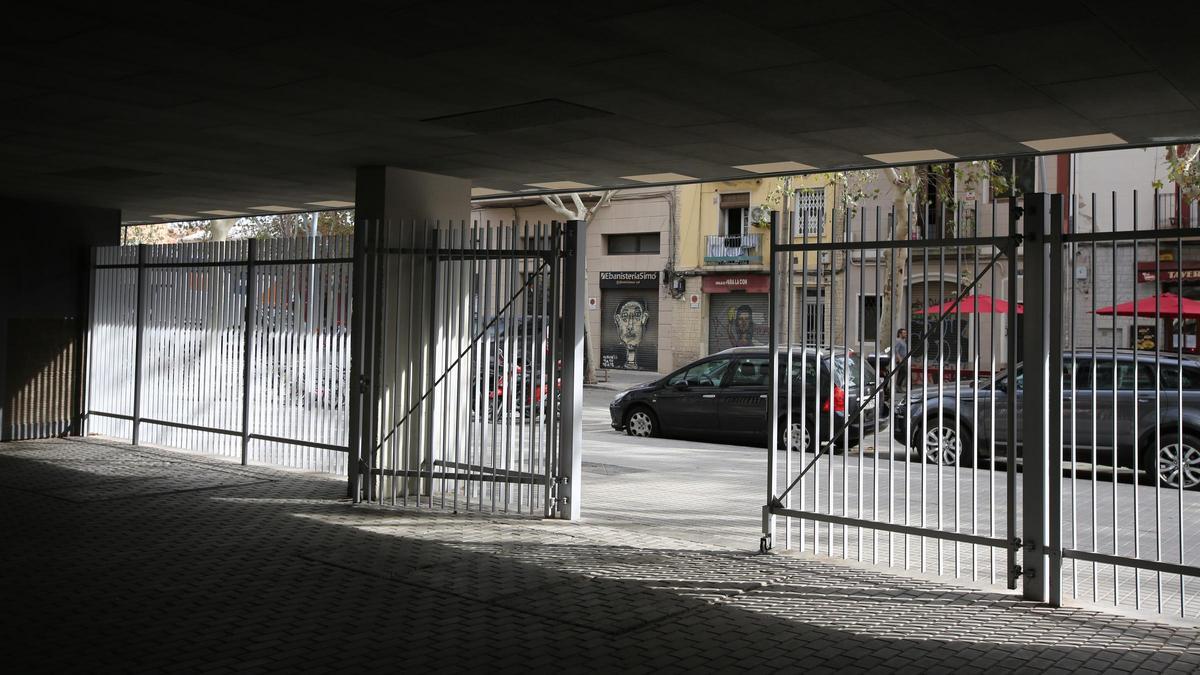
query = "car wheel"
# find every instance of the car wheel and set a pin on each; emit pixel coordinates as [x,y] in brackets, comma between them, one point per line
[797,437]
[641,422]
[1177,462]
[942,445]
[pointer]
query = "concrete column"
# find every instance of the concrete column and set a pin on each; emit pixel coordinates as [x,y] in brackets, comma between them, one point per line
[399,324]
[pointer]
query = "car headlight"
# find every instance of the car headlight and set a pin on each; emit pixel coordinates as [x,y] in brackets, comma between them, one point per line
[617,399]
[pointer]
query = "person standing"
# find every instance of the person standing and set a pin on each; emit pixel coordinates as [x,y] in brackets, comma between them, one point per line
[899,356]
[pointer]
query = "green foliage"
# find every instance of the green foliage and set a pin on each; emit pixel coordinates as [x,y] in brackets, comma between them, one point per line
[1183,168]
[279,225]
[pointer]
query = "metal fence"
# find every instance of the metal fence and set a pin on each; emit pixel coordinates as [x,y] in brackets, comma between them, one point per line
[850,486]
[463,371]
[1056,447]
[172,359]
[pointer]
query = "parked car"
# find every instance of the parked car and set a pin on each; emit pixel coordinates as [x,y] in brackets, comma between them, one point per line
[726,395]
[1119,426]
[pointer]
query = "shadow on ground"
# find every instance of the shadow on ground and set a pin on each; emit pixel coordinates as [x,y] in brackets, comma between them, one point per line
[138,559]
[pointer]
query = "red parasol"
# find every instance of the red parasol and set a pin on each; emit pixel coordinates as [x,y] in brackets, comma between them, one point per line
[1166,306]
[973,304]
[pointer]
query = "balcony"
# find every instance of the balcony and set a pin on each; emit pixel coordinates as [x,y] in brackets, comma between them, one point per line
[743,249]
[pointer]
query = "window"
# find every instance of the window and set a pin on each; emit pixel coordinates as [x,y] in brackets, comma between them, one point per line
[811,326]
[810,212]
[750,373]
[1013,178]
[735,214]
[636,243]
[869,320]
[707,374]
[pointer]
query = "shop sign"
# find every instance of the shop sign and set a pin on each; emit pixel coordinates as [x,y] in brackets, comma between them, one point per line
[1149,272]
[629,280]
[732,283]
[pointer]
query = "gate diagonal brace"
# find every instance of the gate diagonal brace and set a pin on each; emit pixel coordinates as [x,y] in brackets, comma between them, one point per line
[885,382]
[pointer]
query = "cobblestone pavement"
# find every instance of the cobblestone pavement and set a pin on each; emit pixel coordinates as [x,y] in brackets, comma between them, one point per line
[124,559]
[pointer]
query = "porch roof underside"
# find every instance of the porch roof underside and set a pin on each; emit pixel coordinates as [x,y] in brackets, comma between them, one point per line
[182,108]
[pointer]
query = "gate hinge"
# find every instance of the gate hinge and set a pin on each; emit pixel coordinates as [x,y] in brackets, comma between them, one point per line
[1018,572]
[764,544]
[363,385]
[1016,544]
[562,480]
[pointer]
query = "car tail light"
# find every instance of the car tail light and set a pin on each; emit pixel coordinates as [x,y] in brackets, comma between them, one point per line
[839,401]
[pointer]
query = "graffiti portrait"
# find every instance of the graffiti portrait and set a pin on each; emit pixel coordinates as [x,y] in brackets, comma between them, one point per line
[631,318]
[740,325]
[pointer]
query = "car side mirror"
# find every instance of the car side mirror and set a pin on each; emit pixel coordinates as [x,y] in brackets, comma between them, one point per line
[681,385]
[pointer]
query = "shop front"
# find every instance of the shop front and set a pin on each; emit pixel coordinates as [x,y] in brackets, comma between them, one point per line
[738,310]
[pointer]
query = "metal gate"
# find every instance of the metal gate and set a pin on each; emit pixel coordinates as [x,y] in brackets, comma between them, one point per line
[460,398]
[172,359]
[989,452]
[849,487]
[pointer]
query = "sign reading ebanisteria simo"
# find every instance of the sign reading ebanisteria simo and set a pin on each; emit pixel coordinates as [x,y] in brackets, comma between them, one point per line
[628,279]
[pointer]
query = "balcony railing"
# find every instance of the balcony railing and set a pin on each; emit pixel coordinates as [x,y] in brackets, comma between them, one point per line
[742,249]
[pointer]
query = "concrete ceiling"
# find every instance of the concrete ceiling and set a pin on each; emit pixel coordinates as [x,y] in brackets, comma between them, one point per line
[176,109]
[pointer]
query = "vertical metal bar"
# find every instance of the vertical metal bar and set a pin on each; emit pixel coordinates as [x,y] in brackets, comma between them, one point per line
[139,343]
[768,519]
[1159,334]
[556,264]
[789,289]
[1036,397]
[922,445]
[1073,416]
[1095,520]
[1052,549]
[1179,447]
[862,358]
[357,314]
[1010,454]
[574,302]
[846,375]
[941,386]
[1137,368]
[1115,410]
[906,318]
[806,431]
[877,392]
[511,387]
[251,309]
[957,342]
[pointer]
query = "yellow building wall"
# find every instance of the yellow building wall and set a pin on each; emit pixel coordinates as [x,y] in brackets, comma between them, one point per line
[699,214]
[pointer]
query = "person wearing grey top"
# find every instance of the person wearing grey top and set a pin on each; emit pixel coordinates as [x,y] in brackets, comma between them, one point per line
[899,354]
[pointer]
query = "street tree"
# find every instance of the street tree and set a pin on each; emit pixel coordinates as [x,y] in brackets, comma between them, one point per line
[580,211]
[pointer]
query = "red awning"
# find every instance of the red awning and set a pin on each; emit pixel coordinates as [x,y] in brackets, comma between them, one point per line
[1165,306]
[973,304]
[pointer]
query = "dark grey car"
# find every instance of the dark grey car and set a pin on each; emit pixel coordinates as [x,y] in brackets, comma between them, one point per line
[727,395]
[1111,415]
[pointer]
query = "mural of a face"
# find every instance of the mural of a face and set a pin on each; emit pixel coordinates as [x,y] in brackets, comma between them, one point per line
[742,327]
[631,319]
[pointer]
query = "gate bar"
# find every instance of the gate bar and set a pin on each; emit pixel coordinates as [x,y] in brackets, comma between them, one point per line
[570,451]
[915,530]
[951,242]
[248,342]
[139,343]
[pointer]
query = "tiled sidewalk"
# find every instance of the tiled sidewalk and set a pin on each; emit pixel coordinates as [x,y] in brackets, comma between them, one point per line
[144,560]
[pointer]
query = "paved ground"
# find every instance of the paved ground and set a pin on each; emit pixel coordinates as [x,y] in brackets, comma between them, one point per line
[121,559]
